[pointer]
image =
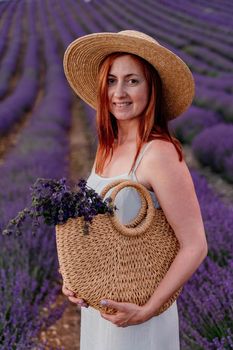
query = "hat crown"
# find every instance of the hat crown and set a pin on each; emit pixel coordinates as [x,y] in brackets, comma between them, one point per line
[138,34]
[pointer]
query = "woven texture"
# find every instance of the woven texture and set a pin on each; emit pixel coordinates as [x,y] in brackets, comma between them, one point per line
[84,56]
[124,263]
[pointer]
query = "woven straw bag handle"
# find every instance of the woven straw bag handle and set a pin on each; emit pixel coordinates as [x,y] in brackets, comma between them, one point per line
[142,211]
[150,212]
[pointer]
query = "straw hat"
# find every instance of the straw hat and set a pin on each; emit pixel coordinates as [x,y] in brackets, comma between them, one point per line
[84,55]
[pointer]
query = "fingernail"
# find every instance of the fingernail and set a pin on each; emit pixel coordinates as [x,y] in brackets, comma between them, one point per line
[103,302]
[83,304]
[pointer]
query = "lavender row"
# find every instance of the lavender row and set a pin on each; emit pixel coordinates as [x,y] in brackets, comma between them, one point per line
[3,6]
[196,64]
[214,148]
[3,9]
[173,24]
[222,82]
[12,109]
[192,122]
[111,16]
[83,17]
[103,22]
[205,309]
[10,59]
[133,14]
[223,6]
[218,101]
[210,41]
[217,217]
[191,19]
[210,327]
[175,35]
[68,12]
[211,140]
[187,13]
[220,63]
[31,271]
[6,19]
[176,30]
[185,17]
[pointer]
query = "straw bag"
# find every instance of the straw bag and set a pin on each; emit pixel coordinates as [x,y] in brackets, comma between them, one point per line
[124,263]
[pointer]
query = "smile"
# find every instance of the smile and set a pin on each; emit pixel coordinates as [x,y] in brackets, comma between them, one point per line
[122,104]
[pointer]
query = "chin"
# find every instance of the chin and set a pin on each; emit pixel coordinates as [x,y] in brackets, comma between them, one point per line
[123,117]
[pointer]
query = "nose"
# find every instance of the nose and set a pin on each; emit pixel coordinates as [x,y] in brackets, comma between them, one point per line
[119,90]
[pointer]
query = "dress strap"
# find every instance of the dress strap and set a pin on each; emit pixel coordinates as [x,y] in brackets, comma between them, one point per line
[140,156]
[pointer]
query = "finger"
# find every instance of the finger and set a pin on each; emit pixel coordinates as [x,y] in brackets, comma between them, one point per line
[123,325]
[67,292]
[77,301]
[108,317]
[113,304]
[115,320]
[71,294]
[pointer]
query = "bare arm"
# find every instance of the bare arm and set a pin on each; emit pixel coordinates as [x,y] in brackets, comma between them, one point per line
[174,188]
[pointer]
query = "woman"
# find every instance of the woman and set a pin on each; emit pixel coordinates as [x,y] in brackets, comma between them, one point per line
[137,85]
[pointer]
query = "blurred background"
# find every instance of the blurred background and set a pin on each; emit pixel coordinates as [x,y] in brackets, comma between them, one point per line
[47,131]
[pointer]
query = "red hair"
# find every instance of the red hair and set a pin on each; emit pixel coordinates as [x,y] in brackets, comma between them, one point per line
[154,124]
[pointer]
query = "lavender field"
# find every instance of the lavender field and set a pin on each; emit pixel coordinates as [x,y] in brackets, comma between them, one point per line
[36,120]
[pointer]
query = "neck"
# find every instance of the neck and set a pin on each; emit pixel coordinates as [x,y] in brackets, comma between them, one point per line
[127,133]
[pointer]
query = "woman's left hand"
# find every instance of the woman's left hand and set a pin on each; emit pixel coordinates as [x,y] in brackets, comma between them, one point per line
[127,314]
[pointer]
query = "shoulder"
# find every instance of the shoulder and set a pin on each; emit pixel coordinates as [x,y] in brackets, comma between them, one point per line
[161,151]
[163,164]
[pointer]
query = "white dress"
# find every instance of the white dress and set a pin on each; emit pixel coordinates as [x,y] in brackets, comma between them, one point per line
[158,333]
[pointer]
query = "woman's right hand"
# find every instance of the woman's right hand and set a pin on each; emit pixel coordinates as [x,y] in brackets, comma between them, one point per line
[72,298]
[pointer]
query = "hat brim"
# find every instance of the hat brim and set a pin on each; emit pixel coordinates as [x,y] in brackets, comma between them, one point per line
[84,56]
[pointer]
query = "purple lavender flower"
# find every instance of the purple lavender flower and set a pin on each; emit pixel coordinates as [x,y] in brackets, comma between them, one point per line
[56,202]
[214,147]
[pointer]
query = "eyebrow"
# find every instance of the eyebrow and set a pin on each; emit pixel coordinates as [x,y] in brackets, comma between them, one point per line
[128,75]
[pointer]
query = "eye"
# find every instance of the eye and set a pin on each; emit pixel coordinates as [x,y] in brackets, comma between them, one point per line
[133,81]
[110,81]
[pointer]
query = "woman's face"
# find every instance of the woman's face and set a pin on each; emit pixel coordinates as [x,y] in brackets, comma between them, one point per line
[127,88]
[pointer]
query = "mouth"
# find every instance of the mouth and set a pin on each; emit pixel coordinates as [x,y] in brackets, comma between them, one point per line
[122,104]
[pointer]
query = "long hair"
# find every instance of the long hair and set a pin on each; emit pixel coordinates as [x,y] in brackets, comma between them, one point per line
[153,125]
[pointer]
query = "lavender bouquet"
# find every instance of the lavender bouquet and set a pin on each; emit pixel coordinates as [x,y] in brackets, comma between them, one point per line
[55,201]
